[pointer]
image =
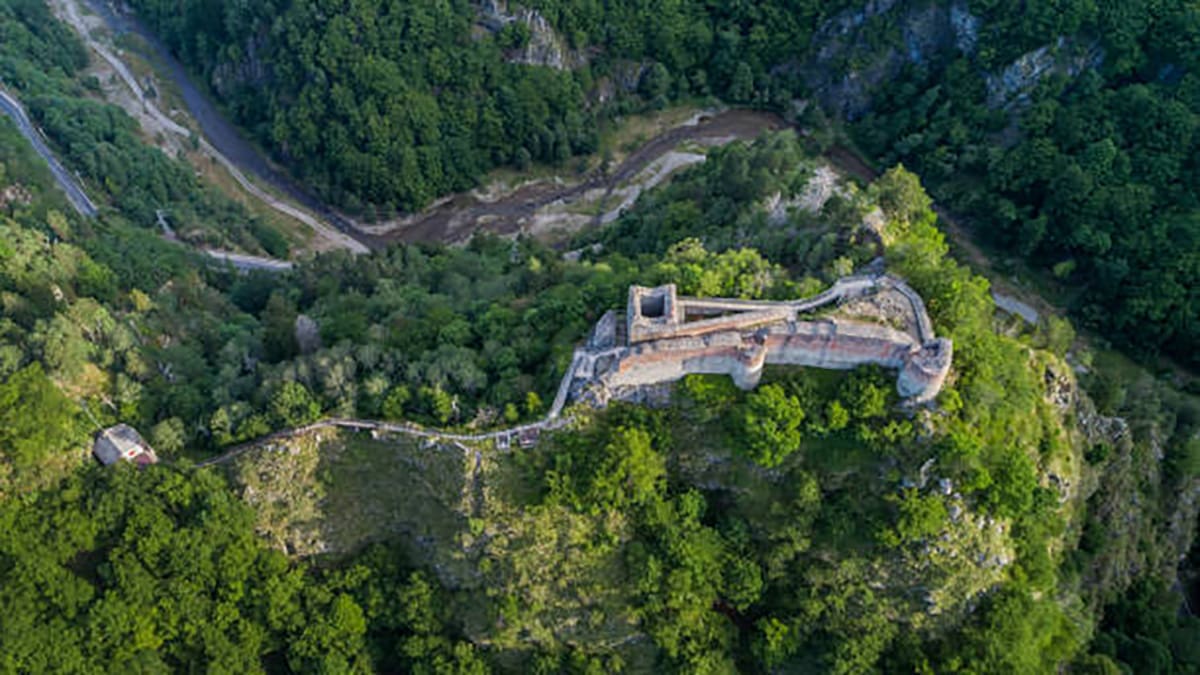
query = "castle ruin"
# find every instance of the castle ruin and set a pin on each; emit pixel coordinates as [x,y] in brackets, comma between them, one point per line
[662,337]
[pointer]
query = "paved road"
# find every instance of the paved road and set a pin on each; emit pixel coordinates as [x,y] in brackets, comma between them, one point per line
[220,130]
[247,263]
[78,198]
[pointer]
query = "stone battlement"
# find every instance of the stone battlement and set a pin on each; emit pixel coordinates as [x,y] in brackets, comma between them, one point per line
[665,337]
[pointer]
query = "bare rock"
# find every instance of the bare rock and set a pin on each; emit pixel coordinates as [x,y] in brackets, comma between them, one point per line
[308,334]
[545,46]
[1013,85]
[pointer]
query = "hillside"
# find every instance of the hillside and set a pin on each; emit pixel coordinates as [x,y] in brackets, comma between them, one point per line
[1036,515]
[1067,135]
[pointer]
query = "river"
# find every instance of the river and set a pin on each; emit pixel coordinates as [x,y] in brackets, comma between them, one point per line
[455,217]
[214,126]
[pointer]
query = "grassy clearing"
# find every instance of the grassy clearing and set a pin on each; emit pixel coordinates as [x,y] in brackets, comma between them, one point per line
[379,489]
[332,492]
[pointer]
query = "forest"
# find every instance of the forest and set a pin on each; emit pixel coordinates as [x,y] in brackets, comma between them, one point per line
[42,61]
[1034,520]
[1093,179]
[717,580]
[1090,177]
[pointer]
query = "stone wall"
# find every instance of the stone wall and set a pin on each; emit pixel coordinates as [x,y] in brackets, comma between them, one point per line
[669,337]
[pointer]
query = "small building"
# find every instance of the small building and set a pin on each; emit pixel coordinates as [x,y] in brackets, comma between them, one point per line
[122,442]
[527,438]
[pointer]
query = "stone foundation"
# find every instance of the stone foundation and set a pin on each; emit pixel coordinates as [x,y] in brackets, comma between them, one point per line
[666,337]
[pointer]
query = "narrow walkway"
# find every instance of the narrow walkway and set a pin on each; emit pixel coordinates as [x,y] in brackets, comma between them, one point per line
[415,431]
[582,366]
[582,363]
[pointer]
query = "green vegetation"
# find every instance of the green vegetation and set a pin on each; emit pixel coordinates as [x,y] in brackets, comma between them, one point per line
[386,105]
[42,62]
[340,491]
[731,529]
[1094,177]
[382,106]
[161,570]
[811,525]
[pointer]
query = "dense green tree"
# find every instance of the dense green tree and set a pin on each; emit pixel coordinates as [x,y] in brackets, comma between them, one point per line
[168,436]
[36,421]
[771,425]
[294,406]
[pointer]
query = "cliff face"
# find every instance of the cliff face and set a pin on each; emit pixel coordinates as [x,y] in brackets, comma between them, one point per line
[1065,56]
[545,46]
[857,51]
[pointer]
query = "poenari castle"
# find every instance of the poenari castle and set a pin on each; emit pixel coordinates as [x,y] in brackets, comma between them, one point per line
[860,320]
[662,336]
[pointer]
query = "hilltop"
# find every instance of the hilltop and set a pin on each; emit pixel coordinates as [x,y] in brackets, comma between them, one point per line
[681,396]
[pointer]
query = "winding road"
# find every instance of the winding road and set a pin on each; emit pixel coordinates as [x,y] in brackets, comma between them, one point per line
[11,107]
[218,138]
[75,194]
[452,219]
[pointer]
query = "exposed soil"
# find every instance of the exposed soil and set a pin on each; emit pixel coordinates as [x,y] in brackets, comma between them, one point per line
[457,218]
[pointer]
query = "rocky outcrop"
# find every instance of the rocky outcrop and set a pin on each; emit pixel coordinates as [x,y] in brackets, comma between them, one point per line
[545,47]
[1013,85]
[15,194]
[307,334]
[860,50]
[821,187]
[857,37]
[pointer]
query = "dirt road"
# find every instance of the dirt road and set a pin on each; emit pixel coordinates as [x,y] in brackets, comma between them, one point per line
[218,139]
